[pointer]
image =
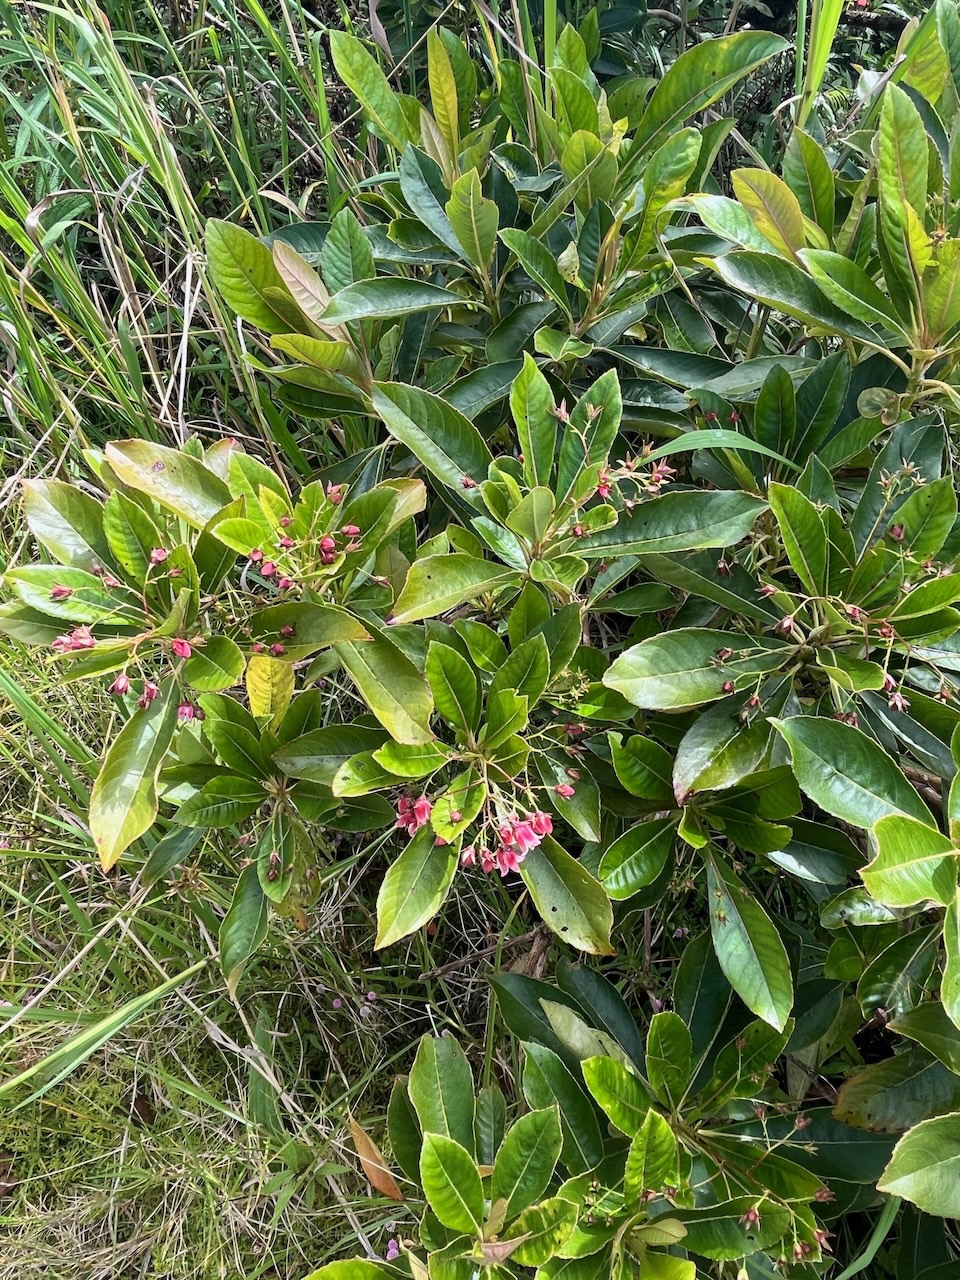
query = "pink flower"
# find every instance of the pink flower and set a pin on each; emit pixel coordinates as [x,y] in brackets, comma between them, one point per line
[897,702]
[268,568]
[785,624]
[469,856]
[467,482]
[257,647]
[286,522]
[889,684]
[413,814]
[335,493]
[81,638]
[524,837]
[61,644]
[328,544]
[286,542]
[541,823]
[350,530]
[255,556]
[327,557]
[61,593]
[186,711]
[487,861]
[277,650]
[120,686]
[508,859]
[150,690]
[158,555]
[180,648]
[286,631]
[285,583]
[111,583]
[393,1250]
[565,791]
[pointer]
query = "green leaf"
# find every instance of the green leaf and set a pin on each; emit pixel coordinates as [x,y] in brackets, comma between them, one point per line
[443,91]
[222,802]
[539,264]
[447,443]
[779,284]
[902,185]
[652,1159]
[582,809]
[350,1269]
[244,927]
[669,1058]
[546,1080]
[928,515]
[361,74]
[846,773]
[414,888]
[314,626]
[244,272]
[543,1228]
[411,762]
[642,766]
[896,1093]
[88,599]
[67,521]
[637,858]
[526,670]
[925,1167]
[386,297]
[683,668]
[620,1094]
[123,803]
[804,535]
[172,477]
[719,749]
[441,1089]
[438,583]
[570,901]
[677,522]
[451,1183]
[456,689]
[914,863]
[391,686]
[526,1160]
[950,988]
[698,78]
[773,207]
[717,438]
[531,404]
[748,947]
[218,665]
[849,287]
[808,174]
[930,1026]
[490,1123]
[347,257]
[590,433]
[474,219]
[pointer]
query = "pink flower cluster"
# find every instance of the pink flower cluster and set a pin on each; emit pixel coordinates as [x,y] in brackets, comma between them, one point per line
[413,814]
[79,638]
[517,838]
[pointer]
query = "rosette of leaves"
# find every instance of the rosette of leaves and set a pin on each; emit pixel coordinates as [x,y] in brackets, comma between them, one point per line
[533,227]
[633,1153]
[857,238]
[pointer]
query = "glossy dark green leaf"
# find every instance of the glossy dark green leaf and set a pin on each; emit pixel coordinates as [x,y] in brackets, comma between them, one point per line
[441,1090]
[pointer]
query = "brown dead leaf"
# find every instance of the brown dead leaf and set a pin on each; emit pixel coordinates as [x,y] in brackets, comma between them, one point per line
[373,1164]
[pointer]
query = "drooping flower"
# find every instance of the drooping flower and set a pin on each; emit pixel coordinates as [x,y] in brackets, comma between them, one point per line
[565,791]
[120,686]
[413,814]
[524,837]
[268,568]
[150,690]
[186,711]
[180,648]
[158,555]
[541,823]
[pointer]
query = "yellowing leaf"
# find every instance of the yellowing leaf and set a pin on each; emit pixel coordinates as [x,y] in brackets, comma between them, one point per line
[269,687]
[773,208]
[373,1164]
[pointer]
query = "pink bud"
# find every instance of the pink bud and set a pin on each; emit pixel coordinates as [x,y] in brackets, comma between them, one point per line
[286,522]
[328,557]
[467,482]
[286,542]
[180,648]
[257,647]
[277,649]
[268,568]
[335,493]
[186,711]
[285,583]
[350,530]
[158,555]
[61,593]
[328,544]
[286,631]
[255,556]
[565,791]
[150,690]
[120,686]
